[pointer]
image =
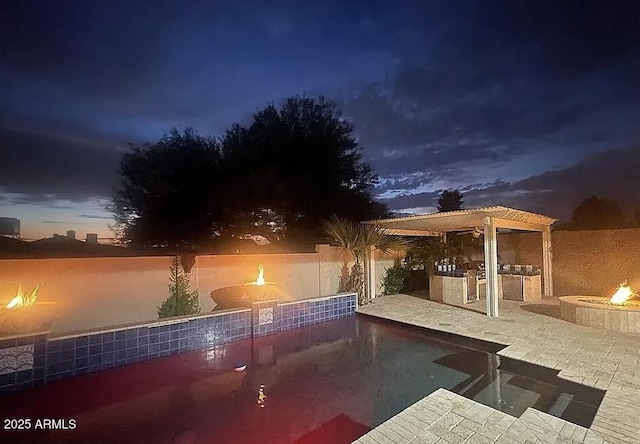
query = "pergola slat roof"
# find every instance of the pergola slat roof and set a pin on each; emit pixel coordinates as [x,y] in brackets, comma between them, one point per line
[435,224]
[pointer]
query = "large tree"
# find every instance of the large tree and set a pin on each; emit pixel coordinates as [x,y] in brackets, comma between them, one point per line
[450,200]
[279,177]
[168,194]
[295,165]
[596,213]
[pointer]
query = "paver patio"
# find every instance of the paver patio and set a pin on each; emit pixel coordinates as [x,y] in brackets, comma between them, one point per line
[603,359]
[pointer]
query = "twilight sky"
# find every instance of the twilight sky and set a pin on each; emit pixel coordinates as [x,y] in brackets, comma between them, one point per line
[531,104]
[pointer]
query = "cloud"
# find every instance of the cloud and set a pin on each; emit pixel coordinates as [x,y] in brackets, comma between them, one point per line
[612,174]
[42,169]
[442,94]
[94,216]
[492,85]
[65,222]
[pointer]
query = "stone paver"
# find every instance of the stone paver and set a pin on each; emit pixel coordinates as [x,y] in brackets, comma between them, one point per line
[603,359]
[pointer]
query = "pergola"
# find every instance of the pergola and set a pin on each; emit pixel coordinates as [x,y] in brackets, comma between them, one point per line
[485,221]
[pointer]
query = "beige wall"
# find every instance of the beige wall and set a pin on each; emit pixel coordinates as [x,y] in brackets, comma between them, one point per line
[82,294]
[331,267]
[90,292]
[584,262]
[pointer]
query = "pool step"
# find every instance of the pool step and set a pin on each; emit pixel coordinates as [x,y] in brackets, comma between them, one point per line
[445,417]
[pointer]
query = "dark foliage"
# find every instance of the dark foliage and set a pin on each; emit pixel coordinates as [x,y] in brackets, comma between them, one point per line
[394,278]
[450,200]
[181,300]
[278,178]
[294,166]
[598,213]
[170,190]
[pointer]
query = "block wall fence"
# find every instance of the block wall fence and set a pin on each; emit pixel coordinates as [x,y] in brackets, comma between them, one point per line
[90,293]
[592,262]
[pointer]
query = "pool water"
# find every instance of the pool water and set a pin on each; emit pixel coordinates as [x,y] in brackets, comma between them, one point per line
[325,383]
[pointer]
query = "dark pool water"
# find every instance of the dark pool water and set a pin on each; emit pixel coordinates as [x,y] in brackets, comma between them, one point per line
[327,383]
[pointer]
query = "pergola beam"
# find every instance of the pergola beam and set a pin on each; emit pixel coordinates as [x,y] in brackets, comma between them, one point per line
[422,233]
[517,225]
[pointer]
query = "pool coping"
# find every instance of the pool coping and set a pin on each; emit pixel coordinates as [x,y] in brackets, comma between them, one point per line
[601,359]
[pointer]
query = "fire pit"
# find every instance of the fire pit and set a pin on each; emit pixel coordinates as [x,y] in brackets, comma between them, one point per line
[620,312]
[245,294]
[24,315]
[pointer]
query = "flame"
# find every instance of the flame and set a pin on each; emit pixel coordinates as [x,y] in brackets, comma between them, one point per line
[260,280]
[21,299]
[622,294]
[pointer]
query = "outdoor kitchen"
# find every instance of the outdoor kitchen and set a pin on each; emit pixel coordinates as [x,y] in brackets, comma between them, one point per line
[464,284]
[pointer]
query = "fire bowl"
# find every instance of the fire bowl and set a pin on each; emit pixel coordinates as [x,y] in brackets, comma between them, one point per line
[244,295]
[23,321]
[599,312]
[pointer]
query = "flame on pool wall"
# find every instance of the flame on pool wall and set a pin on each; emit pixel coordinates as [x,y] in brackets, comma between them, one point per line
[260,281]
[622,294]
[22,299]
[261,396]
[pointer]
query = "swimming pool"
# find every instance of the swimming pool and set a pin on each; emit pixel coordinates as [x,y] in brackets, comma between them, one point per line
[325,383]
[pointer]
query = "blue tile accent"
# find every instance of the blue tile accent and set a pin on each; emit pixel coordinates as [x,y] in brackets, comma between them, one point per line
[81,362]
[24,376]
[108,337]
[5,343]
[26,340]
[53,346]
[7,379]
[108,357]
[94,352]
[95,339]
[82,352]
[67,355]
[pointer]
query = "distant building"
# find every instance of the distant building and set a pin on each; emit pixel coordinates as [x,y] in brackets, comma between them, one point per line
[92,238]
[71,234]
[9,226]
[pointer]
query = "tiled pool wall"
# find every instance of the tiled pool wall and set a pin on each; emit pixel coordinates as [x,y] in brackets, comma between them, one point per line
[34,360]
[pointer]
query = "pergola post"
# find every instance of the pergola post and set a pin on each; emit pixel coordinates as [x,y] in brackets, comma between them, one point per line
[547,266]
[370,273]
[491,265]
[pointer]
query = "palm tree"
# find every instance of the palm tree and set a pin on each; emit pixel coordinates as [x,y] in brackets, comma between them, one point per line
[360,240]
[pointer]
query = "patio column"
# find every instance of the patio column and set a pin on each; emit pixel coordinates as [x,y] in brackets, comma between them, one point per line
[371,273]
[491,265]
[547,259]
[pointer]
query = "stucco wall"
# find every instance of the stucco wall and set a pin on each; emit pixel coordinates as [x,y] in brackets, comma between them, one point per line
[100,292]
[590,262]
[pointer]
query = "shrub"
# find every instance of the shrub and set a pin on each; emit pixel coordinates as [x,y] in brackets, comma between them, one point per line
[394,278]
[180,301]
[353,282]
